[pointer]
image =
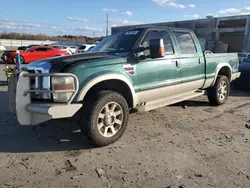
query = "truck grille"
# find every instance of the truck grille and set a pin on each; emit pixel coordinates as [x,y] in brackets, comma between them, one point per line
[39,83]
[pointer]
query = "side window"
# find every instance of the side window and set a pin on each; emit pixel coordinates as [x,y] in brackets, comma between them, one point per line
[41,49]
[186,43]
[156,35]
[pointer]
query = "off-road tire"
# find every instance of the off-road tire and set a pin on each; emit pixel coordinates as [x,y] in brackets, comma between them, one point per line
[213,92]
[90,112]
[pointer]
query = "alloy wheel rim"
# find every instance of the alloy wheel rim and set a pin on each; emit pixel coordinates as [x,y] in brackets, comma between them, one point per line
[110,119]
[222,91]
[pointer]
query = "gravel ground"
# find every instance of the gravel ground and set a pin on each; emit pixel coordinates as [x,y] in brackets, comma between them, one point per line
[186,145]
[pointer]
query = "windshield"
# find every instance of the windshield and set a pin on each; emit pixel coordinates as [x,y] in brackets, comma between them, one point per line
[121,42]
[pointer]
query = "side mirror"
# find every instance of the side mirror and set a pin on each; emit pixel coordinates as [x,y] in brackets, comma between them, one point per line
[156,47]
[139,49]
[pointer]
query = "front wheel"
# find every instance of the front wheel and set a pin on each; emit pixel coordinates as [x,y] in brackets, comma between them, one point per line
[218,94]
[22,61]
[104,118]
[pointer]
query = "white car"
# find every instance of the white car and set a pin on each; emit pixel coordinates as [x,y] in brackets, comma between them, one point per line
[73,49]
[69,49]
[85,47]
[2,48]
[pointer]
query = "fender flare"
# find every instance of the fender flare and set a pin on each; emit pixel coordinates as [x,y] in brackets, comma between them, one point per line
[105,77]
[218,68]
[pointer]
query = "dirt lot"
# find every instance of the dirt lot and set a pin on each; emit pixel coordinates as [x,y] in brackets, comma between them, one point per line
[184,145]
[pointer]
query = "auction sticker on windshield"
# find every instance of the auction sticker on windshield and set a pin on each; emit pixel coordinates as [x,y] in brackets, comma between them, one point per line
[131,32]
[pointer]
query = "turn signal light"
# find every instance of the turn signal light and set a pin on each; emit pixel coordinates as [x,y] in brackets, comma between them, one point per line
[161,51]
[63,86]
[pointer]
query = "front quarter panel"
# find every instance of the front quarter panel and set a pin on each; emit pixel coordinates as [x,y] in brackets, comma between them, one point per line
[88,77]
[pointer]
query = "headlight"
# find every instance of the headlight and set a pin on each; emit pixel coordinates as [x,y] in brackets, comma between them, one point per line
[62,84]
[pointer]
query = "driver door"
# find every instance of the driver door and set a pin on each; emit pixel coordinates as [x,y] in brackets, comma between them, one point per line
[154,74]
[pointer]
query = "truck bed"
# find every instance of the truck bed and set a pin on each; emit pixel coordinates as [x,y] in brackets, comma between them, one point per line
[212,60]
[222,55]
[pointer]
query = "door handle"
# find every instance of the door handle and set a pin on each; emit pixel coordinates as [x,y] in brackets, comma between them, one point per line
[176,63]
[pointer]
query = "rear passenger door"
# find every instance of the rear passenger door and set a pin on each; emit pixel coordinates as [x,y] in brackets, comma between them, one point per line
[191,61]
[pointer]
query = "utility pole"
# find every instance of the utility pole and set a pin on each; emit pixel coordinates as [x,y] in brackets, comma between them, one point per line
[107,27]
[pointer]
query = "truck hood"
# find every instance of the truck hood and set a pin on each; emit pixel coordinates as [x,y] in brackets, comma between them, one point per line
[57,64]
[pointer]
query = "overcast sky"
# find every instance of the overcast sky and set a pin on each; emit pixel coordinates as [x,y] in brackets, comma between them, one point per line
[86,17]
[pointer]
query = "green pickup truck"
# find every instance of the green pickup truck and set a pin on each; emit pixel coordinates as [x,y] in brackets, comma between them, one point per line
[138,69]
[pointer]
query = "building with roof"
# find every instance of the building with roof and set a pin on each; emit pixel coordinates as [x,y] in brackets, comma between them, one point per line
[222,34]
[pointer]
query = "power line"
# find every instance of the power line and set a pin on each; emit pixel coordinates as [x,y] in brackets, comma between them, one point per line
[107,26]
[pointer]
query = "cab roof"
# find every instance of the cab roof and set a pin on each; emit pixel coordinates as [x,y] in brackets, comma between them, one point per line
[158,27]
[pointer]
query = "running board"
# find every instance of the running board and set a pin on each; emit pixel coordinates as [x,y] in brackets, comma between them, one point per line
[169,100]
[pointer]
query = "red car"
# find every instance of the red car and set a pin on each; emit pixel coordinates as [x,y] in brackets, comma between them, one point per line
[32,54]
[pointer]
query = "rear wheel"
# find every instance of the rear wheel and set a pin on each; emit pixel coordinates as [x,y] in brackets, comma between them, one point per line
[218,94]
[104,118]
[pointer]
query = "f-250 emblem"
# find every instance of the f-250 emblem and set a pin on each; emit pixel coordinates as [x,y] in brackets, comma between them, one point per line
[130,69]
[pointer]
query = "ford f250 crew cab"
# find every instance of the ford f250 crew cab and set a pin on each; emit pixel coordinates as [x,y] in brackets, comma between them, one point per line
[141,69]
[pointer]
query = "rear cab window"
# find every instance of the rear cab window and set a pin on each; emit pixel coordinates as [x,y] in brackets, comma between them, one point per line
[185,42]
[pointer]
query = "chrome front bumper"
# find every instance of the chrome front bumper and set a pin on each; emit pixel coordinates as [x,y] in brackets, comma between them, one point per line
[29,113]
